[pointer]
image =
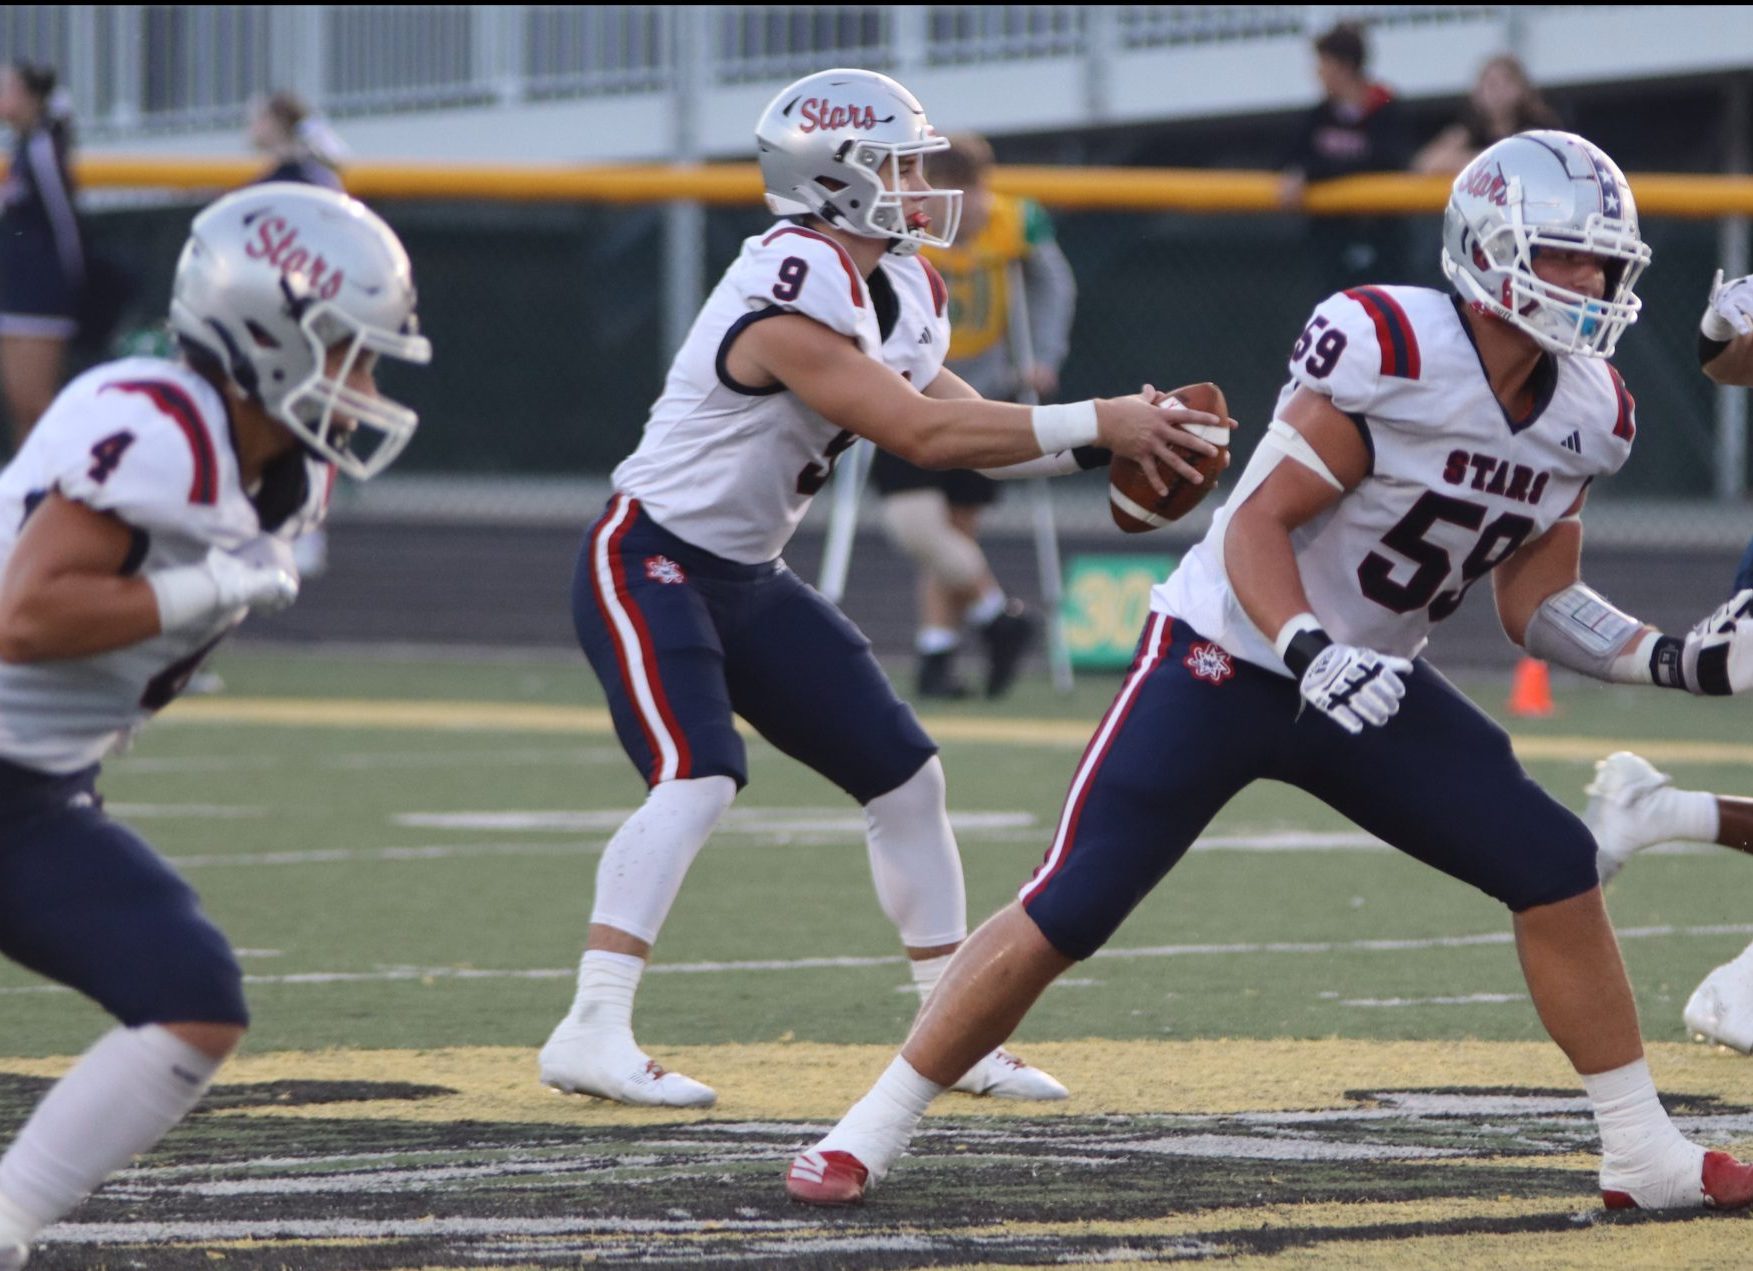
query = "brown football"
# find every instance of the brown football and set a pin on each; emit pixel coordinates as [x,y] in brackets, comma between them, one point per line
[1132,502]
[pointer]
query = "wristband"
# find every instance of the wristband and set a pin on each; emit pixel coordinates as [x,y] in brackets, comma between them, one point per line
[1664,662]
[184,594]
[1064,427]
[1300,642]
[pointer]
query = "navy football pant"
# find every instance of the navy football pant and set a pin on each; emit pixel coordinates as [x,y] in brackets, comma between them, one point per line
[1192,726]
[84,901]
[682,639]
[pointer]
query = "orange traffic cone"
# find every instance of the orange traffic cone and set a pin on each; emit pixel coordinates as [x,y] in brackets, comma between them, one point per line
[1531,691]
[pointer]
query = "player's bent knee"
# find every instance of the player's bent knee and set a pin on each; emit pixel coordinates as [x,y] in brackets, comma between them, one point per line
[216,1041]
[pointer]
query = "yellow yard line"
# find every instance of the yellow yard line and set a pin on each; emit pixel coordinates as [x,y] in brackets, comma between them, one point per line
[531,717]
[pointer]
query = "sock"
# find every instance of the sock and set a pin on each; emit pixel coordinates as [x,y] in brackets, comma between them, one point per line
[880,1125]
[988,607]
[1642,1152]
[1687,814]
[927,972]
[606,985]
[121,1097]
[932,640]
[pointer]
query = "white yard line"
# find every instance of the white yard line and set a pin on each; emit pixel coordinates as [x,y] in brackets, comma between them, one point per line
[403,973]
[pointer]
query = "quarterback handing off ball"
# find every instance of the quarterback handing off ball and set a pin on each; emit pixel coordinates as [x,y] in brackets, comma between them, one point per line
[1135,505]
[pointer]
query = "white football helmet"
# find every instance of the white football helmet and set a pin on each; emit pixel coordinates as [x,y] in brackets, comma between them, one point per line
[1545,189]
[276,275]
[826,145]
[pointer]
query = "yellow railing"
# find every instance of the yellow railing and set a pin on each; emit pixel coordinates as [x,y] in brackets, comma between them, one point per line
[1086,189]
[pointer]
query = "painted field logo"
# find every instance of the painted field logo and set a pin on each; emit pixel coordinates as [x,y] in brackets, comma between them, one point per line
[330,1189]
[1208,662]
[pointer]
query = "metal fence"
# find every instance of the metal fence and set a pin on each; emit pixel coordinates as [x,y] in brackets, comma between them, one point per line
[548,326]
[146,70]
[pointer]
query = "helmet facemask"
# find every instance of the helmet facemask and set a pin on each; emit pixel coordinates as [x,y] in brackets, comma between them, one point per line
[360,433]
[866,196]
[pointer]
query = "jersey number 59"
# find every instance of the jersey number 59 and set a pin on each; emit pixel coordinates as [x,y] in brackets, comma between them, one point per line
[1495,544]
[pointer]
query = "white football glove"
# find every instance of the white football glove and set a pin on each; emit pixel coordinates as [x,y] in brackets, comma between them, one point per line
[1730,311]
[1354,686]
[1716,658]
[220,584]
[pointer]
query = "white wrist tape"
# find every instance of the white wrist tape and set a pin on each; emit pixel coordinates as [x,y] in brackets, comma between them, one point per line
[1579,628]
[1293,445]
[185,595]
[1304,621]
[1064,427]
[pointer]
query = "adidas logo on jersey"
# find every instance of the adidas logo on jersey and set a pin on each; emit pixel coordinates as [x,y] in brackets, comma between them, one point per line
[1574,442]
[925,335]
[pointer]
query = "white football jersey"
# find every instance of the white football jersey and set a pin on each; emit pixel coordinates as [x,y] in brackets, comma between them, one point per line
[147,441]
[731,469]
[1454,487]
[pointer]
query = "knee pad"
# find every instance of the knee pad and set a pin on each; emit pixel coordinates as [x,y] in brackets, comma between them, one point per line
[914,862]
[643,865]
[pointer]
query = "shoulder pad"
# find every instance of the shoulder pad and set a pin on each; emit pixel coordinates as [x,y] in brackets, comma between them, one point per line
[806,272]
[139,445]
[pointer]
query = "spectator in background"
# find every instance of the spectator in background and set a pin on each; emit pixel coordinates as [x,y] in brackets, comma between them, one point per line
[42,259]
[302,146]
[1358,126]
[1004,243]
[1503,102]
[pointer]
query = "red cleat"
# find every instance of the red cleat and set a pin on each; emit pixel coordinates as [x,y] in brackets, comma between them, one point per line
[1726,1184]
[829,1178]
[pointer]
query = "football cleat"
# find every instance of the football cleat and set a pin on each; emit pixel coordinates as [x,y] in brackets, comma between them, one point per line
[826,1178]
[13,1256]
[938,678]
[1001,1075]
[1720,1009]
[1724,1183]
[1619,813]
[1007,637]
[578,1059]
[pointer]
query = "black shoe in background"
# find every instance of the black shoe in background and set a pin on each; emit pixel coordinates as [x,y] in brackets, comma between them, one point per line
[1007,638]
[938,678]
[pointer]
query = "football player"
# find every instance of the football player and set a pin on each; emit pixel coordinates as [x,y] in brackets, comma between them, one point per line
[1422,442]
[826,328]
[1631,805]
[151,508]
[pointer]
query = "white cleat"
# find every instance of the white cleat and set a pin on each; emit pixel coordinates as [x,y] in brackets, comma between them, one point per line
[1001,1075]
[1720,1009]
[579,1059]
[13,1256]
[1620,813]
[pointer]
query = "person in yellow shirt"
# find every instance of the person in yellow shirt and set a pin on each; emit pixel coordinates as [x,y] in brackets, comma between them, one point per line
[1004,243]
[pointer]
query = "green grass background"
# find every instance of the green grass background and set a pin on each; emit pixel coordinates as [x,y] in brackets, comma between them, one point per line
[303,789]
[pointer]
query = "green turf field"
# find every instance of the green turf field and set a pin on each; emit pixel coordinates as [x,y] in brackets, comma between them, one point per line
[403,852]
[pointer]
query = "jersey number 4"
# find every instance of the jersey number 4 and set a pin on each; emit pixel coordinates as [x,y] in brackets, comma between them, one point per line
[107,454]
[1410,539]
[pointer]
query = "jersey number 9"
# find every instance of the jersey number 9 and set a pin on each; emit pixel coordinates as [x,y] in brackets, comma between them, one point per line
[792,271]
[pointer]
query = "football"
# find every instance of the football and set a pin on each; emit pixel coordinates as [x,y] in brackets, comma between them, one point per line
[1135,506]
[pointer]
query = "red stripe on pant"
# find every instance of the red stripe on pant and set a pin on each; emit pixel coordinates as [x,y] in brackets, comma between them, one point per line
[643,653]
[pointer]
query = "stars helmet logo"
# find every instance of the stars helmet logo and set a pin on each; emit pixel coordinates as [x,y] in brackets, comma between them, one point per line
[1209,663]
[661,569]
